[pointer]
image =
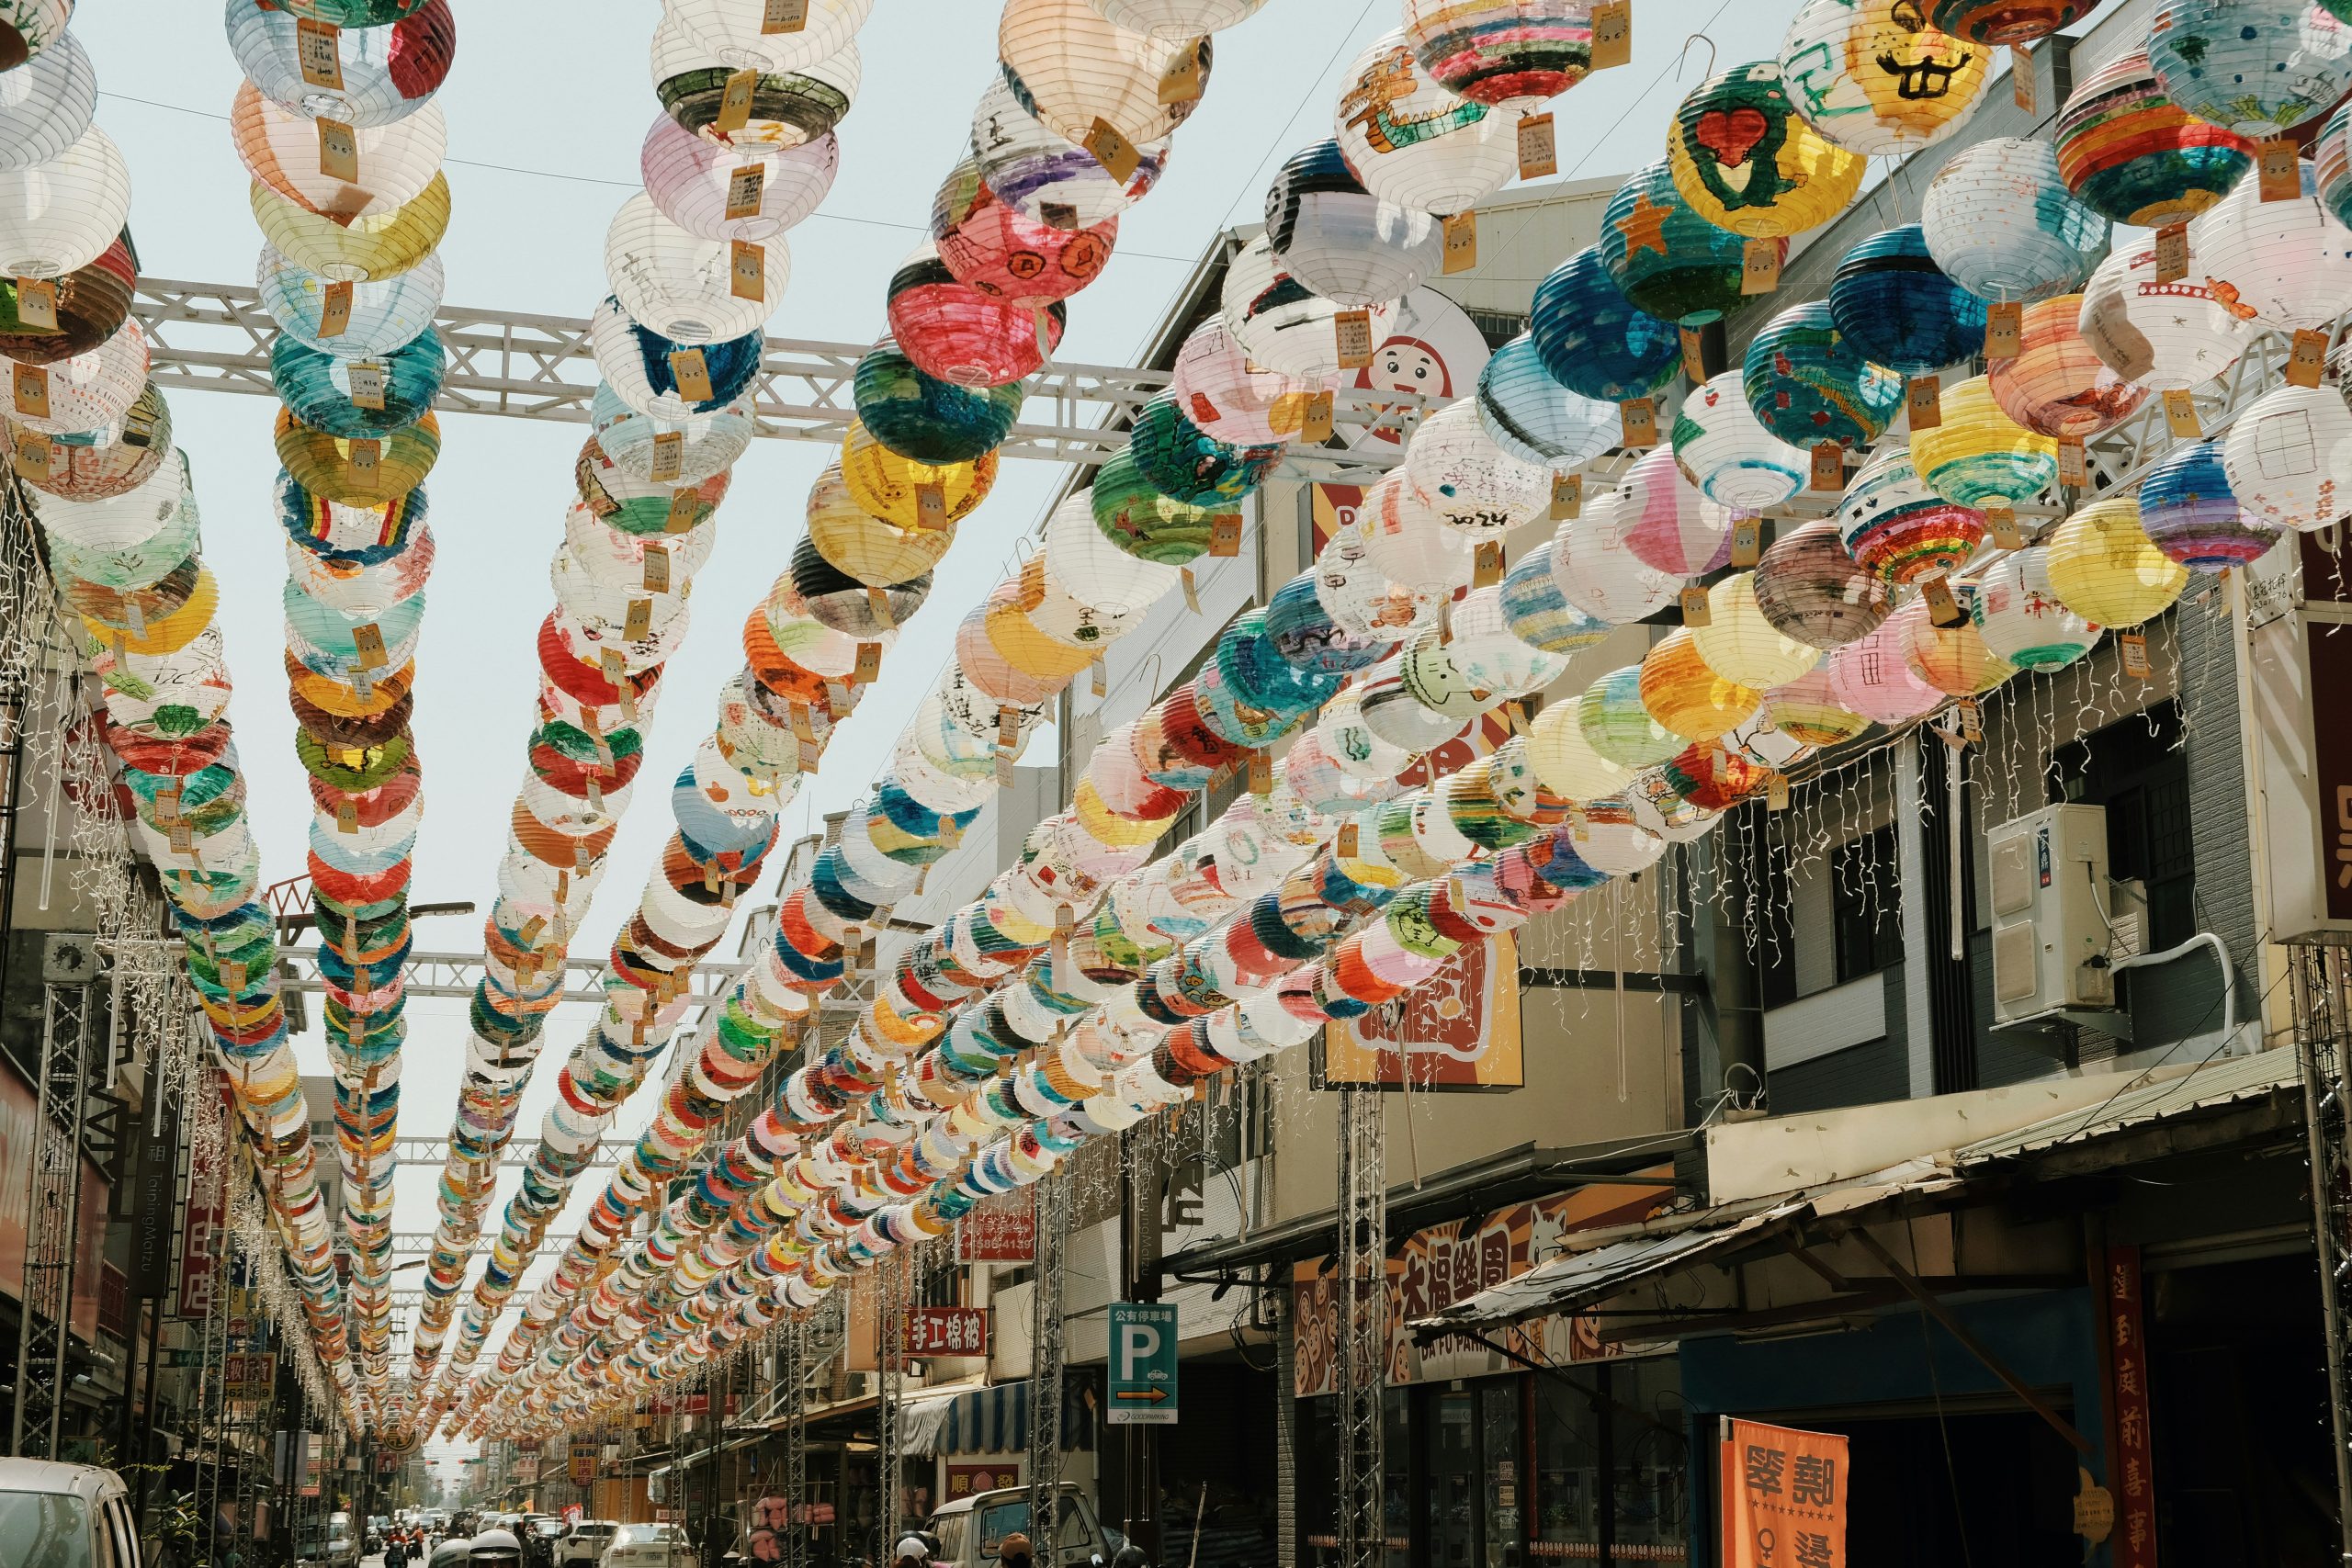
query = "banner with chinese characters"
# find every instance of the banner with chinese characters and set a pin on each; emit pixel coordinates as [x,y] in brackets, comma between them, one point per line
[998,1230]
[963,1479]
[1783,1497]
[947,1331]
[2131,1474]
[583,1461]
[202,1225]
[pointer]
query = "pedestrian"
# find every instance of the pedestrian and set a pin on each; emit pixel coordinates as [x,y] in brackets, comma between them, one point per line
[1012,1551]
[913,1553]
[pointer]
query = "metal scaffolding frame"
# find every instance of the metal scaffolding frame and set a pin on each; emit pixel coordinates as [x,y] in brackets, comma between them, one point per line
[455,974]
[72,1053]
[2321,971]
[1049,1347]
[1362,1312]
[897,1277]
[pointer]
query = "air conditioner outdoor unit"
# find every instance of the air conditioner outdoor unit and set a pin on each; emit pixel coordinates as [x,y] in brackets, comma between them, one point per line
[2050,919]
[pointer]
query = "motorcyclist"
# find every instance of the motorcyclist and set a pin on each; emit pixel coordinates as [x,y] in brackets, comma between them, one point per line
[912,1552]
[395,1551]
[495,1549]
[1013,1552]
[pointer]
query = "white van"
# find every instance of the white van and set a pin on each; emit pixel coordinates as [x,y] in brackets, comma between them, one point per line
[64,1516]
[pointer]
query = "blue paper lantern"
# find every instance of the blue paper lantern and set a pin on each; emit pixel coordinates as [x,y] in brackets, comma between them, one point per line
[381,317]
[1665,258]
[317,387]
[1593,340]
[1533,417]
[2187,509]
[1807,384]
[1896,307]
[2258,67]
[926,420]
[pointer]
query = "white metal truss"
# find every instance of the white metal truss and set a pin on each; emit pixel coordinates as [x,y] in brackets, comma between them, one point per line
[1362,1312]
[70,1052]
[434,1153]
[1048,1345]
[457,974]
[216,337]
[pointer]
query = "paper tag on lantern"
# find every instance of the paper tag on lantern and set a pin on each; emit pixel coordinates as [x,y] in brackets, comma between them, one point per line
[1612,34]
[366,460]
[657,567]
[747,271]
[2074,468]
[1191,590]
[1971,720]
[2021,81]
[1007,728]
[368,640]
[596,795]
[37,303]
[367,379]
[1351,331]
[363,684]
[1315,427]
[1539,151]
[931,505]
[1005,776]
[167,804]
[2180,415]
[1347,840]
[1099,679]
[803,728]
[735,101]
[2001,521]
[683,503]
[1580,825]
[1515,715]
[1461,242]
[1759,266]
[137,620]
[1695,360]
[1747,542]
[869,664]
[2172,253]
[691,373]
[1637,422]
[1568,496]
[1490,567]
[1061,215]
[1262,772]
[2002,323]
[233,973]
[1225,535]
[318,48]
[338,151]
[2133,647]
[1776,791]
[784,16]
[2282,176]
[1943,605]
[1923,401]
[1828,466]
[1181,83]
[745,187]
[1695,612]
[33,390]
[2307,358]
[951,833]
[32,456]
[878,605]
[638,624]
[346,818]
[335,310]
[1114,152]
[669,456]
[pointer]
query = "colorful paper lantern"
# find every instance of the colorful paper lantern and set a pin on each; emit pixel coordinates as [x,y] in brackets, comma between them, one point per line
[1006,256]
[98,473]
[1807,385]
[2256,67]
[2131,155]
[2008,21]
[1538,614]
[1536,419]
[1878,78]
[377,246]
[707,444]
[381,317]
[2286,264]
[1898,308]
[2000,222]
[925,419]
[2332,164]
[872,549]
[955,332]
[321,463]
[2104,567]
[1742,644]
[317,387]
[1078,69]
[1177,460]
[1415,142]
[1747,160]
[1618,726]
[1953,661]
[692,179]
[1472,485]
[91,302]
[395,161]
[1502,53]
[1665,258]
[1871,678]
[1594,563]
[1334,236]
[1407,544]
[1980,454]
[1029,165]
[1139,518]
[2056,385]
[2163,337]
[1686,696]
[2188,508]
[1812,591]
[787,108]
[61,213]
[47,105]
[1807,709]
[1673,529]
[86,394]
[1724,450]
[1897,527]
[890,486]
[1593,341]
[1228,396]
[681,286]
[2288,456]
[1565,758]
[2022,619]
[29,26]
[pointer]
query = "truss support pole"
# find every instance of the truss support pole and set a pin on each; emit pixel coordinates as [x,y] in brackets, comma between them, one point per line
[68,1046]
[1047,1353]
[890,1355]
[2321,970]
[1362,1324]
[797,1332]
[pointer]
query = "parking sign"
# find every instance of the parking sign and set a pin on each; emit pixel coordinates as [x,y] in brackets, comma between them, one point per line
[1143,1364]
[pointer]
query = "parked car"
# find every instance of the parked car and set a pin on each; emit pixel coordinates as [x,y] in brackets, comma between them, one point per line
[647,1546]
[968,1529]
[585,1545]
[64,1516]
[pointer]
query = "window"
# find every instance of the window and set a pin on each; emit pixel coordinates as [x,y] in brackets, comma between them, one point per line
[44,1530]
[1866,905]
[2135,768]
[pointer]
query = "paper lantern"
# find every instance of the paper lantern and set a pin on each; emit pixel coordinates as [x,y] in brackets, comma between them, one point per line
[1742,644]
[2258,68]
[1747,160]
[925,419]
[681,286]
[1672,529]
[1538,614]
[62,213]
[46,106]
[1276,319]
[2104,567]
[2000,222]
[91,303]
[1896,307]
[1807,710]
[870,549]
[1807,385]
[1871,678]
[1617,725]
[1596,570]
[1877,77]
[321,463]
[1489,656]
[1030,166]
[650,373]
[387,72]
[2286,264]
[317,387]
[382,317]
[127,519]
[697,183]
[1665,258]
[29,26]
[1536,419]
[1176,18]
[1137,516]
[707,444]
[98,473]
[1595,343]
[2187,509]
[2008,21]
[1979,453]
[279,147]
[1090,563]
[955,332]
[86,393]
[1227,396]
[377,246]
[788,107]
[1953,661]
[1407,544]
[2131,155]
[1417,144]
[740,36]
[1722,448]
[2056,385]
[1005,255]
[1332,235]
[1502,53]
[1810,590]
[2163,337]
[890,486]
[1897,527]
[2288,456]
[1078,71]
[1471,483]
[2332,164]
[1686,696]
[2022,620]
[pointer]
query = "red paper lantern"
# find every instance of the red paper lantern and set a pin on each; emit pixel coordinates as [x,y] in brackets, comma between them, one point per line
[990,246]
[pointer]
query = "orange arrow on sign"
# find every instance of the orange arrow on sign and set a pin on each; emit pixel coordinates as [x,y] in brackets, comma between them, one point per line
[1153,1396]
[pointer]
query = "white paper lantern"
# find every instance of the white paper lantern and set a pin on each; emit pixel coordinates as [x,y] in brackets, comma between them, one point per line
[2165,336]
[680,284]
[1029,165]
[1080,70]
[1722,448]
[1416,144]
[1408,544]
[62,214]
[1342,242]
[1474,487]
[1277,320]
[1359,597]
[690,180]
[45,104]
[1226,394]
[1176,18]
[707,443]
[2290,263]
[2000,222]
[1594,564]
[1536,419]
[734,30]
[2020,618]
[1741,645]
[88,392]
[2289,457]
[1081,559]
[280,149]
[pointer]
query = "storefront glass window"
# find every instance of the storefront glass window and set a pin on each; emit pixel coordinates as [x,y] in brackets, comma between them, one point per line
[1498,1411]
[1649,1461]
[1567,1473]
[1396,1474]
[1609,1465]
[1455,1490]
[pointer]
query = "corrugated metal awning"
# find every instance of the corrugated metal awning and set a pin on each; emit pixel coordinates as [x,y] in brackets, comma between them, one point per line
[989,1420]
[2215,1085]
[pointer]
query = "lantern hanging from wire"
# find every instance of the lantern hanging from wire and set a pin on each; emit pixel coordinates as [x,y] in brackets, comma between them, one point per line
[1534,418]
[2286,264]
[1008,256]
[1339,240]
[1978,454]
[1687,697]
[1618,726]
[96,473]
[2022,620]
[2288,456]
[1276,319]
[1078,71]
[89,303]
[1597,568]
[1870,678]
[1565,758]
[872,549]
[1808,710]
[2165,336]
[1807,385]
[2007,21]
[394,162]
[61,214]
[2056,385]
[1742,643]
[1747,160]
[377,317]
[1953,659]
[2130,154]
[1031,166]
[1229,396]
[734,193]
[1182,463]
[28,28]
[1810,590]
[2256,67]
[322,392]
[387,72]
[925,419]
[1502,53]
[1406,543]
[664,378]
[1474,487]
[2104,567]
[1877,77]
[955,332]
[2000,222]
[46,105]
[683,287]
[742,37]
[2188,508]
[1897,526]
[1665,258]
[1415,142]
[1725,450]
[787,108]
[1143,521]
[706,442]
[891,486]
[1595,343]
[321,465]
[374,247]
[1898,309]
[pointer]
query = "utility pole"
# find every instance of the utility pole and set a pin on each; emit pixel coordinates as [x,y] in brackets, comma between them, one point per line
[1139,1200]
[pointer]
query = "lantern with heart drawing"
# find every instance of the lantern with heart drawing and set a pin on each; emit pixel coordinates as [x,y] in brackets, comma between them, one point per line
[1747,160]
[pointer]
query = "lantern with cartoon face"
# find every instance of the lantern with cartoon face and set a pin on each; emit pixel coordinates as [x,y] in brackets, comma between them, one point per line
[1877,76]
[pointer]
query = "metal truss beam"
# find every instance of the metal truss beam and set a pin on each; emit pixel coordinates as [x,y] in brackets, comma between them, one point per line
[71,1050]
[216,337]
[417,1244]
[433,1154]
[457,974]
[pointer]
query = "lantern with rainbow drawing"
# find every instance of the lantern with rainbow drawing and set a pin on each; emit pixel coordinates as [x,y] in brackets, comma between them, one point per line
[1980,454]
[2187,509]
[2131,155]
[1502,53]
[1896,526]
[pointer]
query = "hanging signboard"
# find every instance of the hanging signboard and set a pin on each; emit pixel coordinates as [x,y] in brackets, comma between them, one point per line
[1783,1497]
[1459,1031]
[2130,1475]
[583,1461]
[201,1229]
[154,1189]
[947,1331]
[1143,1364]
[999,1230]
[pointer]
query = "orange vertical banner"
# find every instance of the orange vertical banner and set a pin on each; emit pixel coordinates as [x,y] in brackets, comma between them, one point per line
[1783,1497]
[2131,1472]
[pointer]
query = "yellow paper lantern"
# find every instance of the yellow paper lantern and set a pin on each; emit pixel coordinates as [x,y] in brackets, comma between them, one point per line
[2104,567]
[167,634]
[872,549]
[1980,454]
[1741,644]
[901,491]
[1745,160]
[1565,761]
[1686,697]
[369,249]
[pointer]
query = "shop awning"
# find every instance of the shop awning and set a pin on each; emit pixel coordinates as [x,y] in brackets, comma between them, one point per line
[987,1420]
[2220,1102]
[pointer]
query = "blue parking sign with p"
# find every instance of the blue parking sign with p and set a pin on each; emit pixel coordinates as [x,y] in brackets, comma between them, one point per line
[1143,1364]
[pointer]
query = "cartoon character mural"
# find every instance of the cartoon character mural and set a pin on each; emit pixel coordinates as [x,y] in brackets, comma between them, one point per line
[1427,345]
